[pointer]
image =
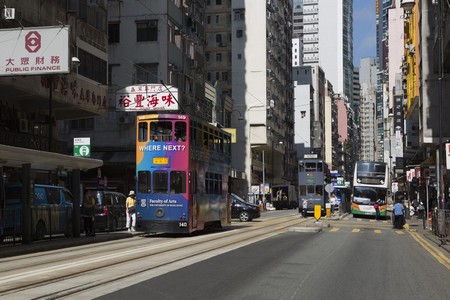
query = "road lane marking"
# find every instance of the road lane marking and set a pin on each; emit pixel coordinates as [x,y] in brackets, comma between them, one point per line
[399,232]
[377,231]
[334,229]
[440,257]
[356,230]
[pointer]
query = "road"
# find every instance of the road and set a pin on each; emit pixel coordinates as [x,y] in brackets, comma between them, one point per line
[264,259]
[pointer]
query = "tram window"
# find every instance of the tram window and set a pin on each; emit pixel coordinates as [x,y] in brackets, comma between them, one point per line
[319,167]
[177,182]
[193,181]
[205,138]
[161,131]
[143,131]
[180,131]
[310,167]
[301,167]
[303,190]
[319,190]
[160,182]
[310,189]
[144,182]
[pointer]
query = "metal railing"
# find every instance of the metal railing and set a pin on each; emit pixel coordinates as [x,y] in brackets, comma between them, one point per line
[440,224]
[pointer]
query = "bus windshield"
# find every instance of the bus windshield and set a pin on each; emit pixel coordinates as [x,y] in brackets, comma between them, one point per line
[369,195]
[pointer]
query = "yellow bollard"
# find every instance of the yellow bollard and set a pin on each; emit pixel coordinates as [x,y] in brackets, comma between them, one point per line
[328,209]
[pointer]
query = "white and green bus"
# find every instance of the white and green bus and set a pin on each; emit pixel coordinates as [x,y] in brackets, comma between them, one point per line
[370,184]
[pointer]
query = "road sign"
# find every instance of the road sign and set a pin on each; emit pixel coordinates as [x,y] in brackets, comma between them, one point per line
[317,212]
[329,188]
[82,147]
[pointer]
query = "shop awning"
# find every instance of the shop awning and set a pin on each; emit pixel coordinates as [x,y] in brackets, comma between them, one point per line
[41,160]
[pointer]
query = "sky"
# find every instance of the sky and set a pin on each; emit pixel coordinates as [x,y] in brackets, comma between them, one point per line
[364,30]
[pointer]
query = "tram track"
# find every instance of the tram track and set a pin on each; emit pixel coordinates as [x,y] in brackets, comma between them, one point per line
[56,280]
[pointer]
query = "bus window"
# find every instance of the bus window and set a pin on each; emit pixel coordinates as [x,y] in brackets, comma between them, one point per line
[144,182]
[180,131]
[177,182]
[160,182]
[143,132]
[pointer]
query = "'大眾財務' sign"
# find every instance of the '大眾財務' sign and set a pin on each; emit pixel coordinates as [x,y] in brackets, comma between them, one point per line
[34,50]
[147,97]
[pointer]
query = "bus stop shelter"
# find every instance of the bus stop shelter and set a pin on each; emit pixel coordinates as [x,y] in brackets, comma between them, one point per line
[28,160]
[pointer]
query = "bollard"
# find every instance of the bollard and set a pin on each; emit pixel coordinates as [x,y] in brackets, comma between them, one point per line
[328,209]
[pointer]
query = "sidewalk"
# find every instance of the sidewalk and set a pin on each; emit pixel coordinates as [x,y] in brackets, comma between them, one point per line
[8,250]
[417,225]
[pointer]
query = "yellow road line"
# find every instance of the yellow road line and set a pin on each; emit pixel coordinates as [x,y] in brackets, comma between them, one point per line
[440,257]
[334,229]
[399,232]
[356,230]
[371,220]
[377,231]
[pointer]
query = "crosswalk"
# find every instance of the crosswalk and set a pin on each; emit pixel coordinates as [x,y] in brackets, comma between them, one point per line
[362,230]
[361,225]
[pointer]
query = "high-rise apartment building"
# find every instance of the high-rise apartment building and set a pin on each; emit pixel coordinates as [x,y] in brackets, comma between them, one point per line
[328,41]
[262,91]
[368,110]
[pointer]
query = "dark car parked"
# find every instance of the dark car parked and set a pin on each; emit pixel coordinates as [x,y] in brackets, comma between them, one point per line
[242,210]
[110,210]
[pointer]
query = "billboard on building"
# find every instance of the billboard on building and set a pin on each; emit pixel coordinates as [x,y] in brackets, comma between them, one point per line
[147,97]
[34,51]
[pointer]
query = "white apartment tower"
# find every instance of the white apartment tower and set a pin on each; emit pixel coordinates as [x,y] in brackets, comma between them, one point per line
[262,92]
[327,38]
[367,109]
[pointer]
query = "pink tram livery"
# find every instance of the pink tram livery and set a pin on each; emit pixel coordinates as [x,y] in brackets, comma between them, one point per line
[182,173]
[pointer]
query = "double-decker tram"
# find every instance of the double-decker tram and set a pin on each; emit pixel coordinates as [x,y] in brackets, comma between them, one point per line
[370,185]
[311,177]
[182,170]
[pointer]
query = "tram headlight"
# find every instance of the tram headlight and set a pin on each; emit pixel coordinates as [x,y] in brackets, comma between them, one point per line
[159,212]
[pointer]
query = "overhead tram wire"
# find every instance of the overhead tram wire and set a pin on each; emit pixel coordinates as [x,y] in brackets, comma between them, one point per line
[174,98]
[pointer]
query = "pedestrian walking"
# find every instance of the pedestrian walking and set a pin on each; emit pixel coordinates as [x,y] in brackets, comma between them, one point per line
[333,200]
[131,211]
[399,215]
[88,213]
[421,209]
[376,205]
[305,208]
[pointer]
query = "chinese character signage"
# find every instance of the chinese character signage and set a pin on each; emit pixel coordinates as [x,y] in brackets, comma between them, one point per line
[34,51]
[147,97]
[398,114]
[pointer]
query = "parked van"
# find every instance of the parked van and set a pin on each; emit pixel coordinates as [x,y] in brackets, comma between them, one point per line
[109,210]
[51,211]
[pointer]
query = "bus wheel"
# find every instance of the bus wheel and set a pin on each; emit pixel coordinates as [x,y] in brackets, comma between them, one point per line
[40,231]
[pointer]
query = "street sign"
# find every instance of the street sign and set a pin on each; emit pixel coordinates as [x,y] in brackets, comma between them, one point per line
[82,147]
[329,188]
[317,212]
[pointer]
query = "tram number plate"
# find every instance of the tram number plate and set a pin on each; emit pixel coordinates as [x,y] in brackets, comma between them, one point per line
[183,224]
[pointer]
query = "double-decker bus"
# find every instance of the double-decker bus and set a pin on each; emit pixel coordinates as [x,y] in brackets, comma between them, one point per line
[182,171]
[370,184]
[311,178]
